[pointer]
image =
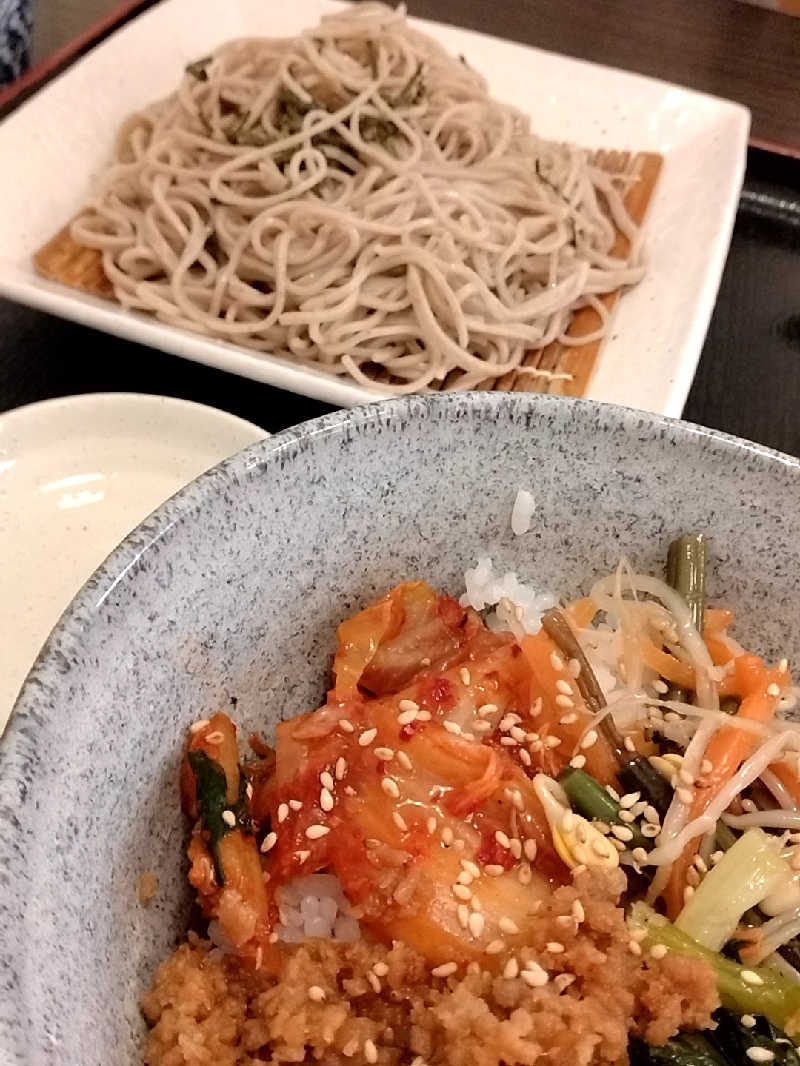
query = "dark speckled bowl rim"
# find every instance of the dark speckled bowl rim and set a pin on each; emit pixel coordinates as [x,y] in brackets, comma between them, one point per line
[19,748]
[80,612]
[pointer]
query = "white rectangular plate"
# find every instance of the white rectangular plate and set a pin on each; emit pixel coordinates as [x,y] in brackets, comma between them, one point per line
[53,146]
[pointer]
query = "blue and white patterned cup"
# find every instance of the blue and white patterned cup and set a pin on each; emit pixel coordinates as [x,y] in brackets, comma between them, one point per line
[16,19]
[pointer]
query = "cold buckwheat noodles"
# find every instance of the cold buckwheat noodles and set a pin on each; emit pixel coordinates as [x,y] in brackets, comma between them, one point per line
[352,199]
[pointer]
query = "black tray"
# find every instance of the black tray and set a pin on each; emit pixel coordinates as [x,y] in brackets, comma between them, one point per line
[748,381]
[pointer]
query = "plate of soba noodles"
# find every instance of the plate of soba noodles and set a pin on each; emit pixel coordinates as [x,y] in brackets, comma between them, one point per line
[352,203]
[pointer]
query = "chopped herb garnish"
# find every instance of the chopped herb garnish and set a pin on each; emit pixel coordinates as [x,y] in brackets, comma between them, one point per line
[199,68]
[212,789]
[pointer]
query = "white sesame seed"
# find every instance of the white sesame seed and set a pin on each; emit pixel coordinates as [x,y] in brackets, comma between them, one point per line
[773,689]
[326,780]
[316,832]
[524,874]
[462,913]
[494,870]
[461,892]
[384,754]
[685,777]
[471,867]
[269,842]
[760,1054]
[463,673]
[564,701]
[524,757]
[634,948]
[629,799]
[627,816]
[651,814]
[373,980]
[568,719]
[424,716]
[660,687]
[750,977]
[629,745]
[530,849]
[564,687]
[658,951]
[370,1051]
[517,800]
[408,705]
[399,821]
[452,727]
[447,836]
[511,970]
[302,856]
[494,947]
[326,800]
[408,716]
[508,742]
[367,737]
[556,661]
[589,740]
[553,742]
[296,805]
[748,1021]
[229,818]
[578,761]
[476,924]
[554,947]
[487,709]
[507,925]
[283,812]
[516,848]
[404,760]
[578,912]
[502,839]
[445,969]
[534,975]
[316,994]
[341,768]
[685,795]
[345,726]
[517,733]
[475,903]
[465,878]
[482,727]
[389,786]
[536,707]
[574,668]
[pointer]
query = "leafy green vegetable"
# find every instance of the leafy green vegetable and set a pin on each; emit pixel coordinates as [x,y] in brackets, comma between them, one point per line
[212,790]
[751,990]
[732,1039]
[745,875]
[592,800]
[689,1049]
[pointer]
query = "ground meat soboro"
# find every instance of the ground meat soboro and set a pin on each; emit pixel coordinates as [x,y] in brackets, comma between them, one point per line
[345,1004]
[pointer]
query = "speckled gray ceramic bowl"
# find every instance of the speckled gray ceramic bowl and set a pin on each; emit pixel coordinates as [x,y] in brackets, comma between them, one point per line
[231,592]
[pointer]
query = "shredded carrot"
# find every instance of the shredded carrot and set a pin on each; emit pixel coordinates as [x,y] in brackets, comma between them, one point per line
[717,619]
[726,751]
[581,612]
[679,673]
[788,778]
[541,654]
